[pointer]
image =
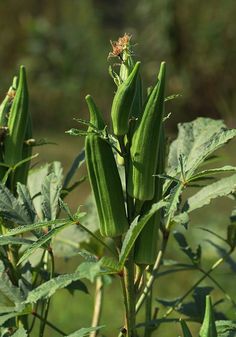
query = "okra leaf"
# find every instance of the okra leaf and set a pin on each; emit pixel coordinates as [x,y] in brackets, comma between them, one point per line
[226,328]
[210,172]
[8,240]
[50,193]
[21,332]
[11,209]
[85,331]
[219,188]
[88,270]
[10,292]
[41,241]
[79,160]
[134,231]
[196,141]
[31,227]
[25,200]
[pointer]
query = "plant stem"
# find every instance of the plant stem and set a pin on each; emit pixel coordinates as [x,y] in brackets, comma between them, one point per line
[99,291]
[148,308]
[47,304]
[129,288]
[130,295]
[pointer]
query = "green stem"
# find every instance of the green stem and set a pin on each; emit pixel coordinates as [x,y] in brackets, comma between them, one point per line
[130,295]
[148,309]
[99,291]
[129,288]
[47,304]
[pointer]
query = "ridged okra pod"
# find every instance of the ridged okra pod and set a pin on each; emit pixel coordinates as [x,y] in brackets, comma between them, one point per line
[17,122]
[104,178]
[4,114]
[122,103]
[145,143]
[145,251]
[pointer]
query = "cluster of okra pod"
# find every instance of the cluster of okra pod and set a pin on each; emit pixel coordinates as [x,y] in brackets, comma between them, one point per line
[15,133]
[137,124]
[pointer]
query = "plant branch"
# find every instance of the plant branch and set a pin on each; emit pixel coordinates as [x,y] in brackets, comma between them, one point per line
[99,292]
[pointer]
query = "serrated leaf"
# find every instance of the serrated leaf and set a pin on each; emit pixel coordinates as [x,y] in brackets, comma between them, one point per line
[11,209]
[135,230]
[79,160]
[220,188]
[8,240]
[210,172]
[88,270]
[85,331]
[25,200]
[10,292]
[197,140]
[41,241]
[31,227]
[226,328]
[50,193]
[173,201]
[208,328]
[21,332]
[111,264]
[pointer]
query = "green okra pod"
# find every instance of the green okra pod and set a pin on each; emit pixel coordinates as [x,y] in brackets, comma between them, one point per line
[122,103]
[4,115]
[17,122]
[146,245]
[145,143]
[208,328]
[104,178]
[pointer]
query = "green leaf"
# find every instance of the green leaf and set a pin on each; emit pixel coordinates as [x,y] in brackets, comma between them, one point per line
[88,270]
[185,329]
[196,141]
[11,293]
[220,188]
[31,227]
[135,229]
[79,160]
[11,209]
[21,332]
[85,331]
[226,328]
[8,240]
[208,328]
[210,172]
[25,200]
[111,264]
[41,241]
[50,193]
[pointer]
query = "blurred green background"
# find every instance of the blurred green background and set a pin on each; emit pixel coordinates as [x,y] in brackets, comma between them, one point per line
[65,43]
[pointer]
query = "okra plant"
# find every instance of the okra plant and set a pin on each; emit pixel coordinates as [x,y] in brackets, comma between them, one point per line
[139,188]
